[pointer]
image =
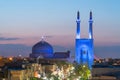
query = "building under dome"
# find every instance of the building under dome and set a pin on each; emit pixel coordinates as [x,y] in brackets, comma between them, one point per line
[43,49]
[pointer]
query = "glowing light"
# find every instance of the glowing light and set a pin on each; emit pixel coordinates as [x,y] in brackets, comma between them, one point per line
[78,36]
[83,66]
[1,57]
[36,74]
[10,58]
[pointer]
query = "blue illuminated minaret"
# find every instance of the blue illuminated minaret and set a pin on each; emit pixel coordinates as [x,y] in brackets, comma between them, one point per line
[90,26]
[78,26]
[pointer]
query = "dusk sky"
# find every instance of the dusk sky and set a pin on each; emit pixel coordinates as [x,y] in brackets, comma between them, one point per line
[24,22]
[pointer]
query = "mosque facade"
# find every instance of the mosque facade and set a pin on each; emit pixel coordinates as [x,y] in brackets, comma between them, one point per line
[84,46]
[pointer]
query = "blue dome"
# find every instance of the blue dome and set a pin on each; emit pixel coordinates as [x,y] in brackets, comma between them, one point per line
[43,48]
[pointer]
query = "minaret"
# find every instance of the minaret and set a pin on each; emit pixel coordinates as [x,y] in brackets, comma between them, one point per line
[78,26]
[90,26]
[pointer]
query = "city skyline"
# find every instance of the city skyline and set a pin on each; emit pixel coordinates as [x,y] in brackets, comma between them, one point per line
[25,22]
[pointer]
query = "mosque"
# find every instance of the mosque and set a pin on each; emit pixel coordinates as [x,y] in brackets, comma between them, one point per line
[84,47]
[43,49]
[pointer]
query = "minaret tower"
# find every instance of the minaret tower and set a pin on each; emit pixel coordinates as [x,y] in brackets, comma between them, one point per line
[78,26]
[90,26]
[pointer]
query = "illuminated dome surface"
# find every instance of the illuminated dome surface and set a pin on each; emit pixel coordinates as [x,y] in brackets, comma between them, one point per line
[43,48]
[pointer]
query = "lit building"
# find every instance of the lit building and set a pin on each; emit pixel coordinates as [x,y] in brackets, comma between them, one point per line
[20,70]
[84,47]
[44,50]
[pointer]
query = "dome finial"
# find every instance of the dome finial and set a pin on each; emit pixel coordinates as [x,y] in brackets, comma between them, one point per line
[42,38]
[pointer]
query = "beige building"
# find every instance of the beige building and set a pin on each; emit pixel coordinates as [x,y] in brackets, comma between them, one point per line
[24,73]
[19,75]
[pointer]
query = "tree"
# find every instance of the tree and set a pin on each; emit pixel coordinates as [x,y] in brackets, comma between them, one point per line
[83,71]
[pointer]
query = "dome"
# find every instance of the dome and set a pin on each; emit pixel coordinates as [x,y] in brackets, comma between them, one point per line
[43,49]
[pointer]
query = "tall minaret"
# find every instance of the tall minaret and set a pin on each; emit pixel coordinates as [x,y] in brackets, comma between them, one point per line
[78,26]
[90,26]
